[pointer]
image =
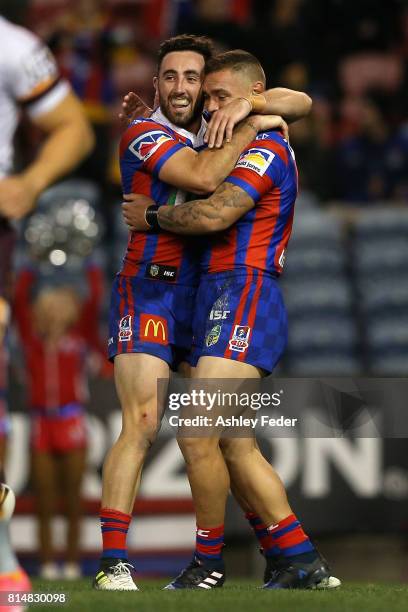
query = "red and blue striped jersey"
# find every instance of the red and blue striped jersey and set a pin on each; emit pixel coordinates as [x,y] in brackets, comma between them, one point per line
[266,171]
[145,146]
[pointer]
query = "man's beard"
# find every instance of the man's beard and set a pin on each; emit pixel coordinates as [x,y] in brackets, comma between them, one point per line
[182,119]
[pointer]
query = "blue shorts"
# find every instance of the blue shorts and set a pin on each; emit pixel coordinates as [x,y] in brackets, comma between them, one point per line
[153,317]
[240,316]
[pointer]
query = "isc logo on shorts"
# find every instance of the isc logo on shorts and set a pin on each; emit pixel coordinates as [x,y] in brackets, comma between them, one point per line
[153,329]
[239,340]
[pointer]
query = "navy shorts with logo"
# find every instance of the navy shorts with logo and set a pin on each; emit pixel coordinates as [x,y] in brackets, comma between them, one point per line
[240,315]
[151,316]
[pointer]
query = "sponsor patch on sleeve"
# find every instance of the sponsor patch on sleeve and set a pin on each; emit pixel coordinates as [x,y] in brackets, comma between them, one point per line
[256,159]
[147,144]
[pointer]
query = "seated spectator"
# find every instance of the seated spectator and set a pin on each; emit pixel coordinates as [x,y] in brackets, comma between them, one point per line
[373,164]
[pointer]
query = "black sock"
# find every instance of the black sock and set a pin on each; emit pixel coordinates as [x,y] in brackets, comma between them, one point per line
[107,562]
[307,557]
[212,564]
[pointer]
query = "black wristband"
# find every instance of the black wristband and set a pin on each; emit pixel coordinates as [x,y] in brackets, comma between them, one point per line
[151,216]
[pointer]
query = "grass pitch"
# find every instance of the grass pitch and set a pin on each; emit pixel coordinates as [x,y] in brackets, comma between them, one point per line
[235,596]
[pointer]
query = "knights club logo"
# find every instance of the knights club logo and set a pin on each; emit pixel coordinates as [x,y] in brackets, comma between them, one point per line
[125,328]
[147,144]
[239,340]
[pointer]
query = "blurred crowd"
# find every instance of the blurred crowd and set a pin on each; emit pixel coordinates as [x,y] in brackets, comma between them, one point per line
[349,56]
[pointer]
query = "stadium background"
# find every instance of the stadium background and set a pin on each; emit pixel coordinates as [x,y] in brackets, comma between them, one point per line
[346,277]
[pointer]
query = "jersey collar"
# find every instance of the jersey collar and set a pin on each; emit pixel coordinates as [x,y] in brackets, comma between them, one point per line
[197,140]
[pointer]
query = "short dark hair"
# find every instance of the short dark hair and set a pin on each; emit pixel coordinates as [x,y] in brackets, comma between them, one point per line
[186,42]
[236,60]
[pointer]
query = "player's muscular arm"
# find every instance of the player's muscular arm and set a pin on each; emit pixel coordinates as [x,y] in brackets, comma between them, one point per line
[217,213]
[289,104]
[69,139]
[203,172]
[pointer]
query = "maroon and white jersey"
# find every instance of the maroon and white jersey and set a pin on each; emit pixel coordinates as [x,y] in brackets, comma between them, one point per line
[29,77]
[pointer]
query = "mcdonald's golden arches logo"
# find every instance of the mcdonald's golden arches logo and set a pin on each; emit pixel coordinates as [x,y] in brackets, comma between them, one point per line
[153,329]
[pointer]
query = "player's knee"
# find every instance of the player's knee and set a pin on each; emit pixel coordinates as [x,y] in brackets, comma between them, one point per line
[197,449]
[232,450]
[141,425]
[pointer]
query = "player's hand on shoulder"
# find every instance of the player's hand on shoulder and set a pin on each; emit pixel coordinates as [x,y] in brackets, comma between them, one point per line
[17,196]
[264,123]
[133,106]
[224,120]
[133,210]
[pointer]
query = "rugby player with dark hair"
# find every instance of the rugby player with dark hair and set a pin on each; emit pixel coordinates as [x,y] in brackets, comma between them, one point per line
[247,222]
[153,296]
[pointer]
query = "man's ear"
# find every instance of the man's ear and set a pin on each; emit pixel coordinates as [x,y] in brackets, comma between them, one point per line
[258,87]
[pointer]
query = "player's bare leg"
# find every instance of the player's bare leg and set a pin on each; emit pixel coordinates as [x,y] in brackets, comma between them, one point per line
[208,477]
[72,466]
[209,482]
[136,376]
[230,449]
[197,457]
[44,471]
[12,577]
[256,479]
[251,474]
[256,484]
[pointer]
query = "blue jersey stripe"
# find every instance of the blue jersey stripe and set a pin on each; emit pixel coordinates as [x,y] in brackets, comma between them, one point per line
[251,191]
[159,164]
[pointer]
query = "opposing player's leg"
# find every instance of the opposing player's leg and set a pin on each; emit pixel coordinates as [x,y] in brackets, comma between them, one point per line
[136,377]
[8,560]
[12,576]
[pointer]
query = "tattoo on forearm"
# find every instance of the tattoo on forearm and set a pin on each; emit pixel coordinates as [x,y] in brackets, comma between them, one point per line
[252,125]
[224,207]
